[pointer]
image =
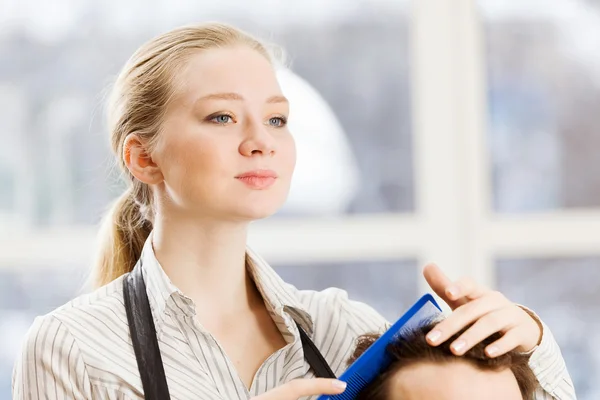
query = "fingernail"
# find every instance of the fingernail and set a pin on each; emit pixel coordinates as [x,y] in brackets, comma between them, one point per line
[492,351]
[339,384]
[434,336]
[452,291]
[458,345]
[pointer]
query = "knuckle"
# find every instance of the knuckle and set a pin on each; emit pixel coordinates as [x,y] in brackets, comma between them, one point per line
[498,296]
[510,336]
[451,326]
[493,320]
[463,314]
[441,327]
[508,341]
[463,318]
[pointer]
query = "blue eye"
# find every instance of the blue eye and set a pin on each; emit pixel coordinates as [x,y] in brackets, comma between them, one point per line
[277,122]
[222,119]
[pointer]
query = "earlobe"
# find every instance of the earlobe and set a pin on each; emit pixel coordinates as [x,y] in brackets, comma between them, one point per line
[139,161]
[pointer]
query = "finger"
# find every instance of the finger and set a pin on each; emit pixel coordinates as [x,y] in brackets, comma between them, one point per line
[438,281]
[304,387]
[501,320]
[508,342]
[466,288]
[465,315]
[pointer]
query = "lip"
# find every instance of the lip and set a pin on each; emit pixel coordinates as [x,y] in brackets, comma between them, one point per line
[259,179]
[258,173]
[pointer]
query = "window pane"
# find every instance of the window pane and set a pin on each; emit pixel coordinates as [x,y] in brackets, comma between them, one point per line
[360,67]
[544,97]
[350,114]
[566,295]
[390,287]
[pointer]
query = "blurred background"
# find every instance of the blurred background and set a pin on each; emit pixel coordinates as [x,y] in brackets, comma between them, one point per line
[463,132]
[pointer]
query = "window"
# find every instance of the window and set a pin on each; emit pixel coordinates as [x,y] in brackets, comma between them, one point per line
[542,88]
[465,133]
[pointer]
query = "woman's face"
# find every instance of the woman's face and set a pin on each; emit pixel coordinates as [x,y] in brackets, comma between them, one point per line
[225,151]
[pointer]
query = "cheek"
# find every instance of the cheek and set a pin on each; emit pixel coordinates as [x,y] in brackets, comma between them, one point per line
[288,151]
[187,160]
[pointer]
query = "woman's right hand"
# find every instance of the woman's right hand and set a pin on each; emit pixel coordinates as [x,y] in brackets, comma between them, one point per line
[297,388]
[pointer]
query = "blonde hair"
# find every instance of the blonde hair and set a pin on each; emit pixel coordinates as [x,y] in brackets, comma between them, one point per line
[140,96]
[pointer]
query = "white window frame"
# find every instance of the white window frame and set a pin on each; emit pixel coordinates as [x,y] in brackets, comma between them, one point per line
[453,224]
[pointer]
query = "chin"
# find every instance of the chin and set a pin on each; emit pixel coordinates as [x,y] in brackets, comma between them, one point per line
[247,208]
[256,213]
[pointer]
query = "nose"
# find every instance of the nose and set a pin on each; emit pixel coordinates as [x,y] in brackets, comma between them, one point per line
[257,140]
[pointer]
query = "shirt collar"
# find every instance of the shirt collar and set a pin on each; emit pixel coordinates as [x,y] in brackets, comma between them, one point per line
[163,295]
[165,298]
[279,295]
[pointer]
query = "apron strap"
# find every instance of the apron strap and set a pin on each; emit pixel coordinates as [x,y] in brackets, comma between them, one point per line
[143,337]
[145,343]
[314,357]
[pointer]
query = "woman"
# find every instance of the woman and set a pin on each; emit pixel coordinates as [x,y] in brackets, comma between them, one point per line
[198,124]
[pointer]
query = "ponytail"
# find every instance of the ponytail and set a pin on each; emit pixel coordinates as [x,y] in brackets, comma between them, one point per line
[123,233]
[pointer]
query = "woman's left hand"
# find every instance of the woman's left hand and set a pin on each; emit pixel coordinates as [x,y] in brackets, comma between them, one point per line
[488,311]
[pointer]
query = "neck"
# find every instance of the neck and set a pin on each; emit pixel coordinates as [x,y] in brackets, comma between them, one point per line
[206,261]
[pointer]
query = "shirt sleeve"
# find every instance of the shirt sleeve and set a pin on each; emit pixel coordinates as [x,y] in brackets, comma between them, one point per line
[50,365]
[549,367]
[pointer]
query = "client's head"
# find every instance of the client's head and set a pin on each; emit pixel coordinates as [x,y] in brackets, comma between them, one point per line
[421,371]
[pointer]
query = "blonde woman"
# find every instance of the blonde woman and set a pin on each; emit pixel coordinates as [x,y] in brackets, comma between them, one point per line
[183,309]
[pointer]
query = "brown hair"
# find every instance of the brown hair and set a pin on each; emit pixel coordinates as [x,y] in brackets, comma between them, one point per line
[413,348]
[140,96]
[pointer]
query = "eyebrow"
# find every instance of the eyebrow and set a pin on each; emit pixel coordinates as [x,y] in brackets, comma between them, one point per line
[236,96]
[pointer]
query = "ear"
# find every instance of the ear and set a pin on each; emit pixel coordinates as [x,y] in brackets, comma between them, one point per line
[139,161]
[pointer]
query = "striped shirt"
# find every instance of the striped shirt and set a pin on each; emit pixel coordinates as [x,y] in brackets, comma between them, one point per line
[83,349]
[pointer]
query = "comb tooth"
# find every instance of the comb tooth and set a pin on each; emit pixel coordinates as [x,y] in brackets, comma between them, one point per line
[355,384]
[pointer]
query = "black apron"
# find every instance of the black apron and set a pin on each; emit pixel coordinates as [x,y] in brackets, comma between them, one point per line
[145,343]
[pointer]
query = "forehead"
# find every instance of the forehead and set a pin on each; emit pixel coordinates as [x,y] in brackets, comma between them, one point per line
[453,381]
[237,69]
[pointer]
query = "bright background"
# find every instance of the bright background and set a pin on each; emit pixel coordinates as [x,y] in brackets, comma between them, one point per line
[462,132]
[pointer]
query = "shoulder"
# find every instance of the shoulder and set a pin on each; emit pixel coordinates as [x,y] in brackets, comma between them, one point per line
[101,309]
[334,304]
[60,346]
[87,323]
[96,318]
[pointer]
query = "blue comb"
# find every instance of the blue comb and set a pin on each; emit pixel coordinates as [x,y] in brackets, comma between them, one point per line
[375,359]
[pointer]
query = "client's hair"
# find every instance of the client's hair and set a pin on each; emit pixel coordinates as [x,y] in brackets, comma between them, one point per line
[413,348]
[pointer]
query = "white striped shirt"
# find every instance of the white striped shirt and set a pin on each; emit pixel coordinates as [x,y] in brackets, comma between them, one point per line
[83,349]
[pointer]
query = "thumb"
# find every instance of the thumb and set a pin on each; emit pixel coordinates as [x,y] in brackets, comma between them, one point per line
[436,279]
[297,388]
[439,282]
